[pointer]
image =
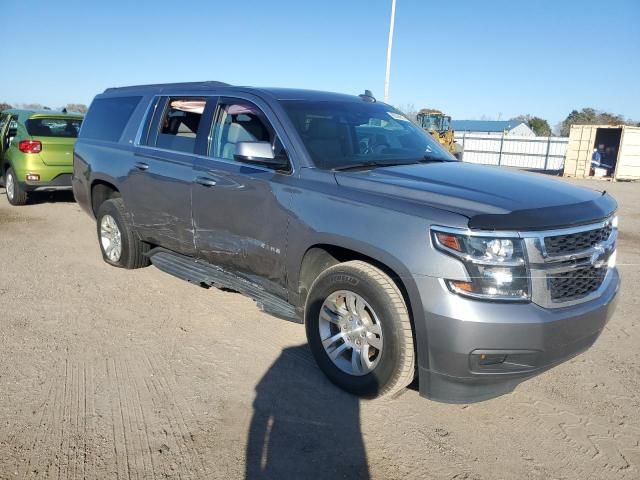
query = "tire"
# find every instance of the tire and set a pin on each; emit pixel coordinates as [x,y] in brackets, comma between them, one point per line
[379,307]
[15,193]
[115,230]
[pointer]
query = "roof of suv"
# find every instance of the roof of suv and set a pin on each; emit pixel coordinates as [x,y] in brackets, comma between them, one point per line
[221,87]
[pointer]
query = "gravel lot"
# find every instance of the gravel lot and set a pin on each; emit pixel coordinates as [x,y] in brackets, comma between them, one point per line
[107,373]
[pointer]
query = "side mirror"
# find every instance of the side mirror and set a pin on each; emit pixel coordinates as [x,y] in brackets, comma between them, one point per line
[259,153]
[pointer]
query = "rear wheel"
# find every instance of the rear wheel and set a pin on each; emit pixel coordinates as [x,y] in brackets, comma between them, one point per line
[359,330]
[119,243]
[15,193]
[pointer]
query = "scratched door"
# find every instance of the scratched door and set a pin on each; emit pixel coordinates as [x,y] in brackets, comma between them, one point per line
[240,211]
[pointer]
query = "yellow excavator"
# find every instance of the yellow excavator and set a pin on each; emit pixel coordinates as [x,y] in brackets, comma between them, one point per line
[439,126]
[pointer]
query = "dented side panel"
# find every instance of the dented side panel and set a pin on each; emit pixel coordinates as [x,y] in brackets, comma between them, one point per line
[241,223]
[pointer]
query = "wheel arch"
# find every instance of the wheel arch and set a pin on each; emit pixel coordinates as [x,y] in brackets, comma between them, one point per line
[102,190]
[320,256]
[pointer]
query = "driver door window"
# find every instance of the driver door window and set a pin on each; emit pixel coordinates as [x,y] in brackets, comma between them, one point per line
[240,121]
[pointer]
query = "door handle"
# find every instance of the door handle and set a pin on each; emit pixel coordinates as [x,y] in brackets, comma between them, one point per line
[141,166]
[205,181]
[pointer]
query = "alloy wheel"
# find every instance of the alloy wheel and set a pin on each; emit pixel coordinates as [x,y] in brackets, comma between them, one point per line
[351,333]
[110,238]
[10,186]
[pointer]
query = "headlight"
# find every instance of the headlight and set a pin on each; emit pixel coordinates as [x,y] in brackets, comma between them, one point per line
[496,265]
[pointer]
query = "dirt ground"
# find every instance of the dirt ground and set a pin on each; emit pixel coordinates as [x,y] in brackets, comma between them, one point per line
[107,373]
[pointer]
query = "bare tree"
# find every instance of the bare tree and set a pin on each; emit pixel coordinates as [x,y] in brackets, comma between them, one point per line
[409,109]
[76,107]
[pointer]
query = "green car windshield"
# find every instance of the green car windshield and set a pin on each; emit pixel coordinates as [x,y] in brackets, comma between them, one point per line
[53,127]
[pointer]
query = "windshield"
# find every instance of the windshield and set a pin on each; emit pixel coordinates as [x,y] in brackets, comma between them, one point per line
[339,134]
[435,123]
[53,127]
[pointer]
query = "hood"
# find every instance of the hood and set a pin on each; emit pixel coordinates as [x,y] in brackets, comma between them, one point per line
[493,198]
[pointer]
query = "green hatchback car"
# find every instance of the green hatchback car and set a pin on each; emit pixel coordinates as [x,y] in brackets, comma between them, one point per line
[36,151]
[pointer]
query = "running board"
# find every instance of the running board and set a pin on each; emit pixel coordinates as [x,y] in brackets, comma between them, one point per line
[206,275]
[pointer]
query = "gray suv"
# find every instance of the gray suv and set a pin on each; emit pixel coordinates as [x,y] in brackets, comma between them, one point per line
[338,212]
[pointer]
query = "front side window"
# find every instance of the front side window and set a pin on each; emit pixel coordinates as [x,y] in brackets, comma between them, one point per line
[53,127]
[241,121]
[337,134]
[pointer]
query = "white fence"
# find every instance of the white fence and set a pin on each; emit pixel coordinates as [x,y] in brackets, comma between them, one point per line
[537,153]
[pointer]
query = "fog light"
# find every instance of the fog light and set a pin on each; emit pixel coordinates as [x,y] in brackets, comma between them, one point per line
[33,177]
[489,359]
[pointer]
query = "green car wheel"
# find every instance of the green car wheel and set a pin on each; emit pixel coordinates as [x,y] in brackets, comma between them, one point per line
[15,194]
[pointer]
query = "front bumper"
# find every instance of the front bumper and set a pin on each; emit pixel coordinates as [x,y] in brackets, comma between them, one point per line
[531,339]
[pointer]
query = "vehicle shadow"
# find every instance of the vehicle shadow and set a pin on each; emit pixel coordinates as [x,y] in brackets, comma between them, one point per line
[303,426]
[46,197]
[51,197]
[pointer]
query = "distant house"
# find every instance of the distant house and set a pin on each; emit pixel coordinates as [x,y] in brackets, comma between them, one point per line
[492,127]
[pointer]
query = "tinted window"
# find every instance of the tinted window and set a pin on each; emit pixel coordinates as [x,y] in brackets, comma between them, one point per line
[107,117]
[53,127]
[337,134]
[241,121]
[179,124]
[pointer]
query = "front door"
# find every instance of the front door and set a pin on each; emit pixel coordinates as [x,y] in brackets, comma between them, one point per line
[4,134]
[159,183]
[240,211]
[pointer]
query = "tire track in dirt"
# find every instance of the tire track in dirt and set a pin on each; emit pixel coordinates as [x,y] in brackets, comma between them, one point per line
[594,446]
[42,429]
[181,437]
[59,445]
[119,417]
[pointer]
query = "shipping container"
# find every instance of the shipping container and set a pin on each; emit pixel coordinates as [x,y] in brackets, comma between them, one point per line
[614,148]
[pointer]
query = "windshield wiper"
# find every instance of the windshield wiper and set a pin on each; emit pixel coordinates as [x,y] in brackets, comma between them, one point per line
[429,157]
[370,164]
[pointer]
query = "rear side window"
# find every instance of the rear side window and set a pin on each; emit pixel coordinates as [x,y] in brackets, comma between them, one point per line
[53,127]
[107,118]
[180,124]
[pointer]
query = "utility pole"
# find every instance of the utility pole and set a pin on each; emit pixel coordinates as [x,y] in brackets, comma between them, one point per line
[388,72]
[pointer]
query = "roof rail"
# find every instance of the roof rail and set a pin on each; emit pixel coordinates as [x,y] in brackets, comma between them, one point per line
[211,83]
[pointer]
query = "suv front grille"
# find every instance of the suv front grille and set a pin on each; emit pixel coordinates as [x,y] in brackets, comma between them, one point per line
[575,284]
[576,242]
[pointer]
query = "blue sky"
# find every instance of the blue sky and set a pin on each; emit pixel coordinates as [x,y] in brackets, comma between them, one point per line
[470,58]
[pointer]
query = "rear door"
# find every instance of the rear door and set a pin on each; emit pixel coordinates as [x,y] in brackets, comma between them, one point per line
[240,211]
[159,184]
[57,135]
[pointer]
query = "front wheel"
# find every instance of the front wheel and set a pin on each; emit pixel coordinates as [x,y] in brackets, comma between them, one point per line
[15,193]
[359,330]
